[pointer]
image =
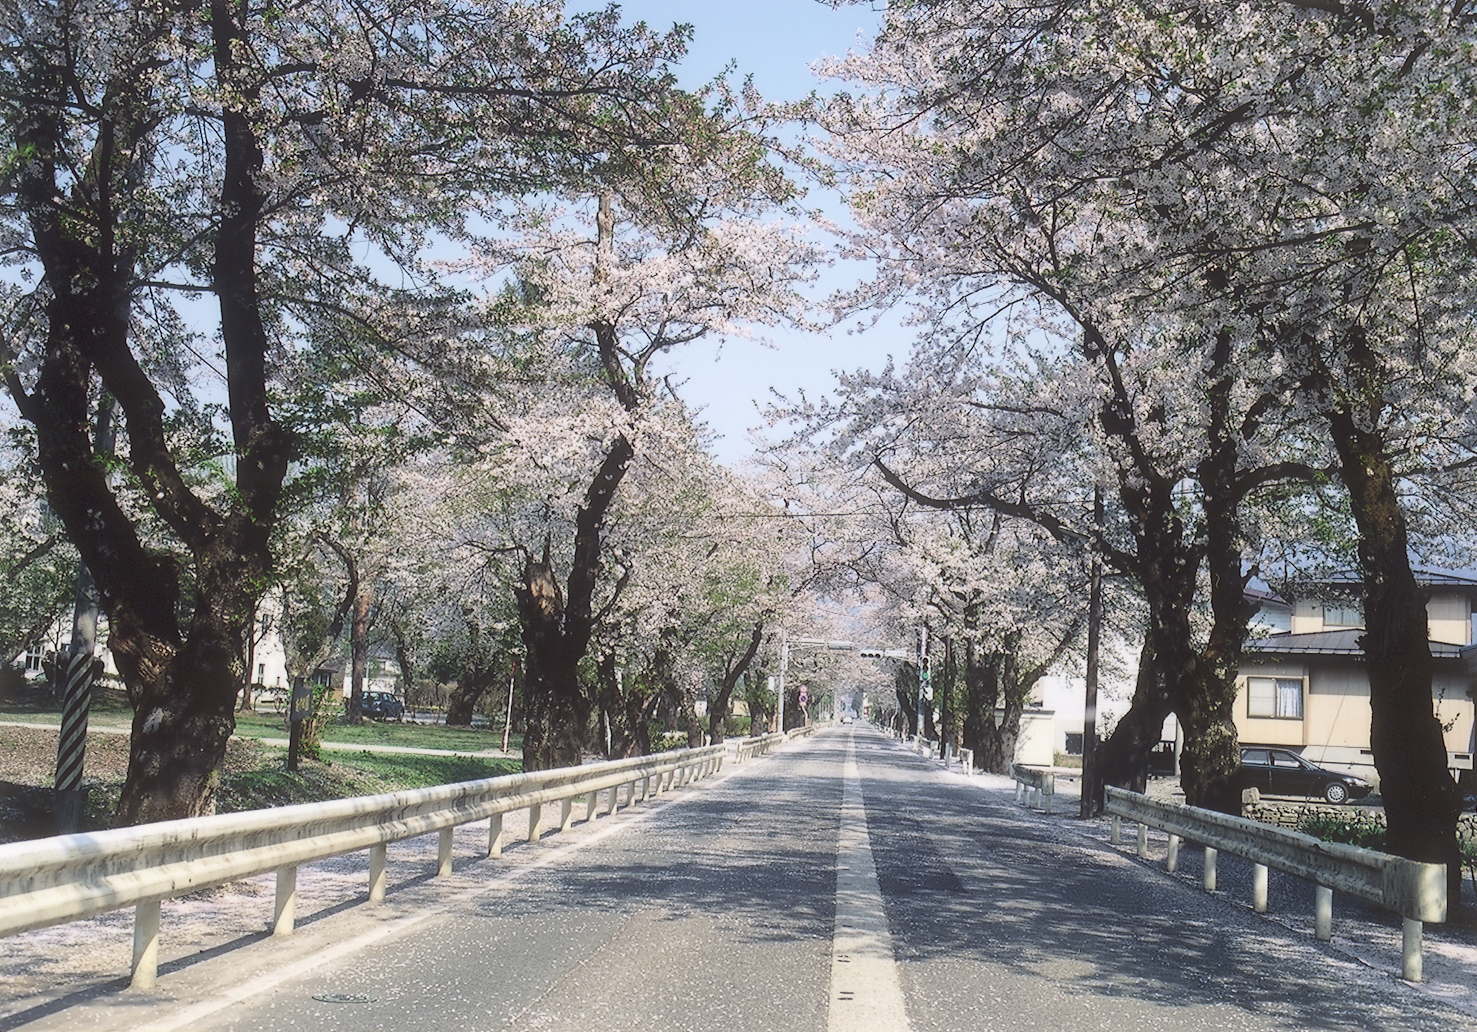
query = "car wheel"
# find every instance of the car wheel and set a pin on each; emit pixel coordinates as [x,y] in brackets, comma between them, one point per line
[1336,792]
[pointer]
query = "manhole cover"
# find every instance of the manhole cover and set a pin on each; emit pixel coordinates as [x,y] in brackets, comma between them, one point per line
[343,998]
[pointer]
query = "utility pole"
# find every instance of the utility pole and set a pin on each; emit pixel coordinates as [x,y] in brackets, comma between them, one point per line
[69,796]
[784,664]
[925,689]
[1094,641]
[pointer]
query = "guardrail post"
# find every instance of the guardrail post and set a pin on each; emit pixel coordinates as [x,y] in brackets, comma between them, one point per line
[1117,836]
[495,835]
[145,945]
[614,798]
[1259,888]
[1323,913]
[1048,792]
[284,915]
[566,813]
[590,802]
[1412,950]
[1143,842]
[535,813]
[1020,794]
[1172,860]
[377,872]
[443,852]
[1209,882]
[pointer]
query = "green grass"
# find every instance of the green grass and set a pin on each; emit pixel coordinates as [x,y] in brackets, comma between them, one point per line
[419,736]
[110,709]
[343,775]
[34,700]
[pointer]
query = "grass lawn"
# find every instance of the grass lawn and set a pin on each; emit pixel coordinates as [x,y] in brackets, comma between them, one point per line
[255,776]
[373,732]
[28,702]
[342,774]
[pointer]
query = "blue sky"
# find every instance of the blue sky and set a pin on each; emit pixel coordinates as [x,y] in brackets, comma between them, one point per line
[775,41]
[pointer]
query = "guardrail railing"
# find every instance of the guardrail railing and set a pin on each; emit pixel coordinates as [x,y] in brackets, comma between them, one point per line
[1416,891]
[748,748]
[1034,787]
[56,880]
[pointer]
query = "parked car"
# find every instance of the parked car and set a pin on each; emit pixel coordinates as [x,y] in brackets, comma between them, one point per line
[382,706]
[1285,773]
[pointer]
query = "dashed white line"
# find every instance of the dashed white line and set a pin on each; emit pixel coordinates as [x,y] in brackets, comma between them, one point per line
[866,989]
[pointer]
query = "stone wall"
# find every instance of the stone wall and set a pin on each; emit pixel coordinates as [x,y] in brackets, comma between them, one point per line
[1290,815]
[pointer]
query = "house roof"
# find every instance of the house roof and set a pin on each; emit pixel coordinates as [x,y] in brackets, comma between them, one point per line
[1423,575]
[1331,643]
[1264,596]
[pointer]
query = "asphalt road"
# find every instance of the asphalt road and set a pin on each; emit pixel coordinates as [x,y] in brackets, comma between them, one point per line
[843,884]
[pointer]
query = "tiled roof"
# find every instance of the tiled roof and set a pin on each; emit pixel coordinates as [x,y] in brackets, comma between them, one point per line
[1331,643]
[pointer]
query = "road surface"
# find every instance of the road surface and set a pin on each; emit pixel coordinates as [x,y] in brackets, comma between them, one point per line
[840,885]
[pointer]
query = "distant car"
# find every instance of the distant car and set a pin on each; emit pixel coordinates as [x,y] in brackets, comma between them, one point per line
[382,706]
[1283,772]
[848,719]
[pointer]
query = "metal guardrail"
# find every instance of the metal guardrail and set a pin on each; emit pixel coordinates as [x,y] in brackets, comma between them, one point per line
[762,745]
[1034,787]
[749,748]
[1416,891]
[66,878]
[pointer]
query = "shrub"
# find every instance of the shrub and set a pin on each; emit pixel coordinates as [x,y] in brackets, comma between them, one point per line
[1332,828]
[668,740]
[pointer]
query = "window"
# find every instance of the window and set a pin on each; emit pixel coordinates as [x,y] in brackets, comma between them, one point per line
[1347,615]
[34,657]
[1274,697]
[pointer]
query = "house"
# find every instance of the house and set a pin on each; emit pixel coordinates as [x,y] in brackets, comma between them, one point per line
[1303,684]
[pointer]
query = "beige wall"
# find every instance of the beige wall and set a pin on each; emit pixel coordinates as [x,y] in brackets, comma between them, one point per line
[1307,616]
[1449,616]
[1336,711]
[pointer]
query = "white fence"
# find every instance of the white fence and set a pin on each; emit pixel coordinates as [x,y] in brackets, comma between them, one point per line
[56,880]
[1415,891]
[1034,787]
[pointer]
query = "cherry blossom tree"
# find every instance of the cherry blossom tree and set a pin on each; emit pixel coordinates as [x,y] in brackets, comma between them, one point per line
[685,246]
[1280,189]
[36,560]
[166,151]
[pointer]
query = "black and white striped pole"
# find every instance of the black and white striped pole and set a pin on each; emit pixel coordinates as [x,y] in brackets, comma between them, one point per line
[71,744]
[69,796]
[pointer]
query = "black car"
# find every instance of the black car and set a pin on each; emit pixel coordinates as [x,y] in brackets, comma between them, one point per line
[1283,772]
[382,706]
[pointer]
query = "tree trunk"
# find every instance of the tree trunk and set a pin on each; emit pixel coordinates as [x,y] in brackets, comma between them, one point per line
[905,687]
[718,705]
[982,692]
[622,702]
[1210,764]
[403,658]
[359,651]
[948,691]
[471,685]
[557,717]
[1123,757]
[1420,797]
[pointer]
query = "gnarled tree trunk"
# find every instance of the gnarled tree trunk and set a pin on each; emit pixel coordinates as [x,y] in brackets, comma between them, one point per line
[1420,797]
[718,705]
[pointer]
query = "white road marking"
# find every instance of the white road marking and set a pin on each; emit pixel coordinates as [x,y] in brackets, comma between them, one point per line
[866,990]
